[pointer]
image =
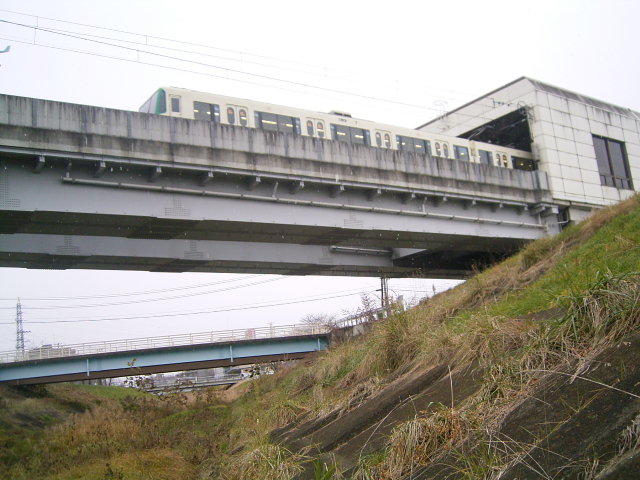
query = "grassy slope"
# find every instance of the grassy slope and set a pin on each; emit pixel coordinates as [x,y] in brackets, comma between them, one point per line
[513,318]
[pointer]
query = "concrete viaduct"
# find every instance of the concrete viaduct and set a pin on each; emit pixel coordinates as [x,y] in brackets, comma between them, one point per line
[97,188]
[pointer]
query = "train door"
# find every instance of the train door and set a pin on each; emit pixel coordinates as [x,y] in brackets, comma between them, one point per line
[313,128]
[175,104]
[382,139]
[441,149]
[237,115]
[502,160]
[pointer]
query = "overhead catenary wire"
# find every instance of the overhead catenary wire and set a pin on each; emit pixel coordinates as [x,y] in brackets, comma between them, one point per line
[181,314]
[304,85]
[130,294]
[243,55]
[147,300]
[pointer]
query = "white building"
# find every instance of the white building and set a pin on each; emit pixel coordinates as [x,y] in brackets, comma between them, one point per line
[589,149]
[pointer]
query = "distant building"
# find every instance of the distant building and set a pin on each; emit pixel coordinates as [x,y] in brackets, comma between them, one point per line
[589,149]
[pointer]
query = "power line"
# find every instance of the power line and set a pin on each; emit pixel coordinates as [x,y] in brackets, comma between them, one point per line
[165,315]
[304,85]
[242,54]
[148,300]
[129,294]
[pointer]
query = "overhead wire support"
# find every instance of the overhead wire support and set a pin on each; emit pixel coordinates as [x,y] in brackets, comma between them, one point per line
[20,331]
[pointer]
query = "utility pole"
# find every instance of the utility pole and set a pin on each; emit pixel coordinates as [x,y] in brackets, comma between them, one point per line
[19,328]
[384,293]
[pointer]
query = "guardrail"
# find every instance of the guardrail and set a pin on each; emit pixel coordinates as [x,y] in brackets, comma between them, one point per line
[158,384]
[112,346]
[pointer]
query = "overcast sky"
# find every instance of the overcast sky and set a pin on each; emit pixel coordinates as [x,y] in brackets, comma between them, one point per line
[400,62]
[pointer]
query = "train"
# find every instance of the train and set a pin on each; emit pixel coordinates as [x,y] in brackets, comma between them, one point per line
[335,125]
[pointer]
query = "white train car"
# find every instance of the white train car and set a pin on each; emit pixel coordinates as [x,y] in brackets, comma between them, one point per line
[339,126]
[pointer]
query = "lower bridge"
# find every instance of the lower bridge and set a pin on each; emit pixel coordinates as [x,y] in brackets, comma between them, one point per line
[142,356]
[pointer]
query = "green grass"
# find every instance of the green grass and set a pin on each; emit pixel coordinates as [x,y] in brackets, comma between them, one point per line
[585,278]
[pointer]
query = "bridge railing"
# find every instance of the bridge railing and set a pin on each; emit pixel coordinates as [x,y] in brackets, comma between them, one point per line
[112,346]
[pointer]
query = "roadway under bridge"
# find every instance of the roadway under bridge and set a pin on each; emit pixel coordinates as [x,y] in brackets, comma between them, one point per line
[96,188]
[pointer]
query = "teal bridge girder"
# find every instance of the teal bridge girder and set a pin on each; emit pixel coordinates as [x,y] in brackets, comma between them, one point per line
[74,363]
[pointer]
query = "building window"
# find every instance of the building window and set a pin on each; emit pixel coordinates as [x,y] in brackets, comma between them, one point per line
[612,161]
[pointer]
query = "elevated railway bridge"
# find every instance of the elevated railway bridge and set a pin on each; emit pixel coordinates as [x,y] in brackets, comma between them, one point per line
[97,188]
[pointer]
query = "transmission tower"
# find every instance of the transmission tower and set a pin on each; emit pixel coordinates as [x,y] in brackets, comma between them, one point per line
[19,328]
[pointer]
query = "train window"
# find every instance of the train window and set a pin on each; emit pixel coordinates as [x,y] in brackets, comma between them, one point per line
[523,163]
[505,163]
[485,157]
[206,111]
[175,103]
[445,149]
[340,132]
[461,153]
[320,126]
[310,128]
[360,135]
[277,123]
[378,139]
[410,144]
[231,115]
[350,134]
[267,121]
[438,150]
[387,140]
[288,124]
[419,145]
[498,163]
[242,114]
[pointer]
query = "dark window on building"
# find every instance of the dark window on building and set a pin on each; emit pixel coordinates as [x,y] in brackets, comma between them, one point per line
[206,111]
[485,157]
[387,141]
[461,153]
[445,149]
[438,150]
[612,163]
[378,139]
[523,163]
[175,104]
[310,128]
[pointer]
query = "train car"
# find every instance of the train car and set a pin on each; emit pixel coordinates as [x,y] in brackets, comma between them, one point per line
[338,126]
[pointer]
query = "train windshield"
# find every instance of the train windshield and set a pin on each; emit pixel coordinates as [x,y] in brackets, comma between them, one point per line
[157,104]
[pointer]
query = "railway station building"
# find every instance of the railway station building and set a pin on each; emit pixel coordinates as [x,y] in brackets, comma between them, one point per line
[589,149]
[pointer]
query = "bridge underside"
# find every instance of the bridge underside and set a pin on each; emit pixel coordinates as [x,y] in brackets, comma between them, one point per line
[62,217]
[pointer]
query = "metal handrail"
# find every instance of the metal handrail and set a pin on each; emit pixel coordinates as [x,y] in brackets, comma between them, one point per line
[112,346]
